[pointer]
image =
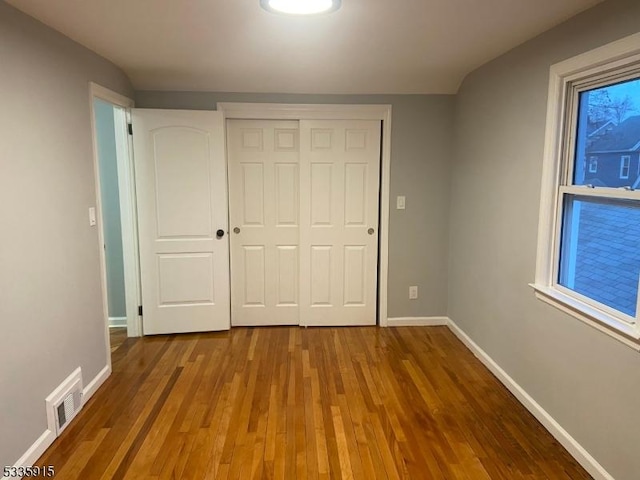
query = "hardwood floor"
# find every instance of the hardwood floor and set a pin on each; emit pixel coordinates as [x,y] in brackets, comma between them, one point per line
[291,403]
[117,336]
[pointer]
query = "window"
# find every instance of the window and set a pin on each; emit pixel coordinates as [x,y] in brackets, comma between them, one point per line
[625,161]
[589,240]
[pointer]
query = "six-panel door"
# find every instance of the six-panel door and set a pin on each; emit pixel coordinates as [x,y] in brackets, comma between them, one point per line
[264,214]
[339,191]
[304,219]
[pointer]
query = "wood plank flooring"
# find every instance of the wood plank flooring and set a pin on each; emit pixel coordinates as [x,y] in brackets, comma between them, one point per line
[117,336]
[293,403]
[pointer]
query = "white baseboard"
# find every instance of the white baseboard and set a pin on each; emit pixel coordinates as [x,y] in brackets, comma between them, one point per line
[573,447]
[48,437]
[116,322]
[417,321]
[95,384]
[35,451]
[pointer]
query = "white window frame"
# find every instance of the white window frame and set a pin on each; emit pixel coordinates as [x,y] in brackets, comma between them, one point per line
[593,164]
[611,63]
[625,163]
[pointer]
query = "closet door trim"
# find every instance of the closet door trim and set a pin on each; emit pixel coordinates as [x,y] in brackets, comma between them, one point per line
[276,111]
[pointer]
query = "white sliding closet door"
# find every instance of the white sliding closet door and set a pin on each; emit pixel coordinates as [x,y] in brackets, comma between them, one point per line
[339,192]
[263,159]
[304,219]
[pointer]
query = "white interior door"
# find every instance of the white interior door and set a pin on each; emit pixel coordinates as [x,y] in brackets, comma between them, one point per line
[182,210]
[263,159]
[339,198]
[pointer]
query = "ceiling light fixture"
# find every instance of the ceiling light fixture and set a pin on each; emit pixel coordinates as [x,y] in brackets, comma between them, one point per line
[301,7]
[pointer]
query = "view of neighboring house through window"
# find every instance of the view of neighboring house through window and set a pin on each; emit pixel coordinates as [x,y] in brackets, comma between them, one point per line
[599,257]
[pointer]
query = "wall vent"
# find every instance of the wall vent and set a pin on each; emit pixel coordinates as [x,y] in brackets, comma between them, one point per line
[65,402]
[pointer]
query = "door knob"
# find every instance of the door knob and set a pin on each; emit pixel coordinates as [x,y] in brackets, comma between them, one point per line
[220,233]
[370,231]
[236,230]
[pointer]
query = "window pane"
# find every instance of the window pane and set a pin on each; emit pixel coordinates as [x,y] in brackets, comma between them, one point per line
[608,129]
[600,251]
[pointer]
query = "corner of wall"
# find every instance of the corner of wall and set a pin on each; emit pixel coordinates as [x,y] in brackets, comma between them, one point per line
[577,451]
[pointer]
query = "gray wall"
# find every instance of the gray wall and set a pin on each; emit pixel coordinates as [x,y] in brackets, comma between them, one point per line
[50,299]
[109,193]
[421,143]
[589,382]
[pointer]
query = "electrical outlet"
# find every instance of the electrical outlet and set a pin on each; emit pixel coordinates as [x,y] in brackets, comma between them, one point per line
[413,293]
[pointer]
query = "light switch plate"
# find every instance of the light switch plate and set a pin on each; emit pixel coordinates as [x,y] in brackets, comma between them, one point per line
[400,202]
[92,216]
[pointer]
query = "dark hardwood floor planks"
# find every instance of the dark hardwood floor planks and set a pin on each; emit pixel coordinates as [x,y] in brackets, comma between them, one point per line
[293,403]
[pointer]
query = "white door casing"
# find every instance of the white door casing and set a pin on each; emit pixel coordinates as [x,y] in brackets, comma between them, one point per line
[182,203]
[339,198]
[128,232]
[263,162]
[380,113]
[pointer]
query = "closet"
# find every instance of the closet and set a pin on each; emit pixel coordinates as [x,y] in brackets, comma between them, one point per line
[303,221]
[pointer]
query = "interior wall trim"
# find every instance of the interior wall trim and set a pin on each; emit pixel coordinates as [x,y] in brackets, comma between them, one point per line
[577,451]
[417,321]
[35,451]
[277,111]
[98,91]
[117,322]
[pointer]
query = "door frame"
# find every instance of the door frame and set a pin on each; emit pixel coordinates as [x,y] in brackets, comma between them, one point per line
[276,111]
[128,213]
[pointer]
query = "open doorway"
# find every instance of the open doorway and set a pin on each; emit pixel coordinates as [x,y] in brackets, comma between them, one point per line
[111,219]
[116,216]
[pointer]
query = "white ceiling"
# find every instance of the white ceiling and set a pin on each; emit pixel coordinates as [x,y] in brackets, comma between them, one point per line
[368,46]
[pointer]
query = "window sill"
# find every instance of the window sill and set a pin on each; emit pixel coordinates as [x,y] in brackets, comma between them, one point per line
[621,331]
